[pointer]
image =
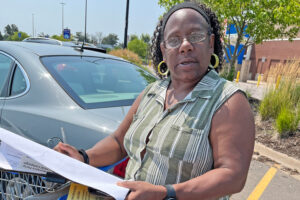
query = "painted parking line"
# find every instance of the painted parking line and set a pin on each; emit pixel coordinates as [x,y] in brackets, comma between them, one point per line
[264,182]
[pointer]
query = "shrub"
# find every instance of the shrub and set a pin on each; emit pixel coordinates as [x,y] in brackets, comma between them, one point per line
[138,46]
[61,38]
[286,122]
[282,103]
[271,105]
[127,55]
[228,75]
[15,36]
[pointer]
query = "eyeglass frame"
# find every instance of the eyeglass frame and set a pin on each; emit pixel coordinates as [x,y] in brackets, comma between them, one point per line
[186,37]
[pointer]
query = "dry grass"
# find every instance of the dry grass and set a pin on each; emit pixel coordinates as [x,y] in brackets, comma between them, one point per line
[288,70]
[127,55]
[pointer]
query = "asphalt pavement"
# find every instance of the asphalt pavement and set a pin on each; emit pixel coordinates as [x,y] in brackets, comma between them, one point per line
[263,185]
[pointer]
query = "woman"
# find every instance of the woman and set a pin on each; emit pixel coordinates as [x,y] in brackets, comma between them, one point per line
[191,135]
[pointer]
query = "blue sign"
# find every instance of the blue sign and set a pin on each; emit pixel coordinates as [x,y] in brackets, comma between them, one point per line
[19,35]
[240,57]
[67,33]
[231,29]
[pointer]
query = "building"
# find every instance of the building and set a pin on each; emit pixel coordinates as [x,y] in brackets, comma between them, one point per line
[272,52]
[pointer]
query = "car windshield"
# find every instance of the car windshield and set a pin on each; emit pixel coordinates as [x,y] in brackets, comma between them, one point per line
[95,82]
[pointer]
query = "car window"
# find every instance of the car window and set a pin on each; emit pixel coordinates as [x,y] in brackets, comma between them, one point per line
[18,82]
[96,82]
[5,64]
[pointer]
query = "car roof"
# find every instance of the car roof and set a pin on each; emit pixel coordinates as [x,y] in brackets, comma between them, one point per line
[41,49]
[42,40]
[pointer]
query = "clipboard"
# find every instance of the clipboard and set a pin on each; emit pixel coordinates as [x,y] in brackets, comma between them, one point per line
[81,192]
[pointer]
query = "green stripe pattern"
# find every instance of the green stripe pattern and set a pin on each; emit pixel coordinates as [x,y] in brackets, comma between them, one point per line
[178,148]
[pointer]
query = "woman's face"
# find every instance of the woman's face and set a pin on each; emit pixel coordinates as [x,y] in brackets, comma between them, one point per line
[189,61]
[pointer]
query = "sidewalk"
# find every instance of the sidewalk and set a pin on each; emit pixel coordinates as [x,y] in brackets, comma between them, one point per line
[256,92]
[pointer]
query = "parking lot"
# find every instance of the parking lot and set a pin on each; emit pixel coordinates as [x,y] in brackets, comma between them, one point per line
[267,182]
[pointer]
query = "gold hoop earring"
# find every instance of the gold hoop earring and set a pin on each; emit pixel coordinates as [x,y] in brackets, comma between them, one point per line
[159,71]
[216,61]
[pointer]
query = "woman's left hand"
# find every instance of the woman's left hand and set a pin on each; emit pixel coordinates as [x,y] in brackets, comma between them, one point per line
[143,190]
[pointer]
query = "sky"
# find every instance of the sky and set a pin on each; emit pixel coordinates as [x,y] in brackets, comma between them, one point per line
[106,16]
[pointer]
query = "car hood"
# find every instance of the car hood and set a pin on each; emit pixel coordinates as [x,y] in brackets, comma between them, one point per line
[116,114]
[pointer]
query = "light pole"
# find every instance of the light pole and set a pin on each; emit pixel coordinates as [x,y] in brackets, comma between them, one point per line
[32,25]
[62,17]
[85,22]
[126,25]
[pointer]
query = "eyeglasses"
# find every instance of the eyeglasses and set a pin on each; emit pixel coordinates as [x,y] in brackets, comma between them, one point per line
[193,38]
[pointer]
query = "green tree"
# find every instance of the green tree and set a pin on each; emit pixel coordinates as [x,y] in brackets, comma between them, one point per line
[133,36]
[167,4]
[111,39]
[9,30]
[14,28]
[138,46]
[261,19]
[15,36]
[80,37]
[1,36]
[146,38]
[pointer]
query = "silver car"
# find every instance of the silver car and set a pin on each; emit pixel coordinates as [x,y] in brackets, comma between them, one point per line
[50,92]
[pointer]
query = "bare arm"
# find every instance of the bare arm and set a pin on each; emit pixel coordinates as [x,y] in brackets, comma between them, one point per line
[110,149]
[232,139]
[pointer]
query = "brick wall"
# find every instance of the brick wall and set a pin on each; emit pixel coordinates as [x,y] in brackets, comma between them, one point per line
[269,53]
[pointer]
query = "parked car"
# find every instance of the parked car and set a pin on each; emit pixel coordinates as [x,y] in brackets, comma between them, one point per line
[50,91]
[43,40]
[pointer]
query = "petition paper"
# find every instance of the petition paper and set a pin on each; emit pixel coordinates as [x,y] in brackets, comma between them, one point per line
[48,159]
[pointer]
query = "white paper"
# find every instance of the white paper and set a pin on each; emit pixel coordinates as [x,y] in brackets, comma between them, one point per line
[61,164]
[12,159]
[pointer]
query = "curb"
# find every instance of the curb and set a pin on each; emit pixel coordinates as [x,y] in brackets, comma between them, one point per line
[277,156]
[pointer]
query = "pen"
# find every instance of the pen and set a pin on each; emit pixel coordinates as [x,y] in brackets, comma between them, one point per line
[64,138]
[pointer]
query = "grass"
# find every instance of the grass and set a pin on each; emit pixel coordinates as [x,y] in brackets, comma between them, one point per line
[283,103]
[286,122]
[248,94]
[127,55]
[227,72]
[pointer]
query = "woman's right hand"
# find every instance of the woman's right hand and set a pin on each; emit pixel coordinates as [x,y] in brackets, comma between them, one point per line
[69,151]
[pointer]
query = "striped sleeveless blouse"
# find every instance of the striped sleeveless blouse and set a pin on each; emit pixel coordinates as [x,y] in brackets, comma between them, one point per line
[178,148]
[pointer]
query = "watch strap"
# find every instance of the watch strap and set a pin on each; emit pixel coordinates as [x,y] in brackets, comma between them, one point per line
[171,194]
[84,155]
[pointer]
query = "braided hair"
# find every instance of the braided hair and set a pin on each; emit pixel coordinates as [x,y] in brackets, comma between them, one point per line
[157,38]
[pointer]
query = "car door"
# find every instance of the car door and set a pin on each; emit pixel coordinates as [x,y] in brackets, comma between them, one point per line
[18,85]
[6,63]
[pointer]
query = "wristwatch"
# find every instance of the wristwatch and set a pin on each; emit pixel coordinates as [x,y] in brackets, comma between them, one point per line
[171,194]
[84,155]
